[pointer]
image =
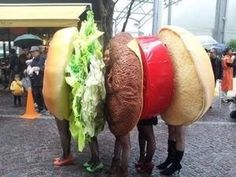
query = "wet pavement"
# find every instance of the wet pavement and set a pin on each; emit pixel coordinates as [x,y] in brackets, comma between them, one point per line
[27,147]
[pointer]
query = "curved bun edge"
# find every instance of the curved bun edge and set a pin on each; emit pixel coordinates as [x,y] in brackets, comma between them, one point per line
[194,79]
[55,90]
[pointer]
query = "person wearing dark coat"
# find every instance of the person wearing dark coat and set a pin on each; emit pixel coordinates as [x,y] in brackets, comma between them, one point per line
[23,65]
[36,77]
[14,64]
[216,64]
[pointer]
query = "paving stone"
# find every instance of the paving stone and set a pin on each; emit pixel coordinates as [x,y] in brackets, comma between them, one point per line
[28,146]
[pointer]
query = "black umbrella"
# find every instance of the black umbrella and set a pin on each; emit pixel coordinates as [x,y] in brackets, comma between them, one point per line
[27,40]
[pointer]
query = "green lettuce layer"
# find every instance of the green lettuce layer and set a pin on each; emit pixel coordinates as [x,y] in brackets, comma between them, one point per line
[85,75]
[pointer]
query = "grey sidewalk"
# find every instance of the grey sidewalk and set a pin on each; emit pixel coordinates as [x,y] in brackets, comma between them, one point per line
[28,147]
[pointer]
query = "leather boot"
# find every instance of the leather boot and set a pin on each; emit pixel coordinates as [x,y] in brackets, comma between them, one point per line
[175,166]
[171,152]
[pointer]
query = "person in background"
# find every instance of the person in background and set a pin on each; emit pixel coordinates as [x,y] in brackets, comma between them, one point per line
[28,56]
[227,80]
[29,59]
[147,145]
[22,64]
[176,147]
[44,51]
[17,90]
[216,64]
[36,72]
[14,64]
[5,69]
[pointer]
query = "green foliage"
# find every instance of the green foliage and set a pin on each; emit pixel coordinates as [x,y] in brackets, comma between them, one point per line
[232,44]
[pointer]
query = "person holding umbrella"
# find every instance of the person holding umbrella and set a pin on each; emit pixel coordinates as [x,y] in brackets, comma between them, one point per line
[36,77]
[27,40]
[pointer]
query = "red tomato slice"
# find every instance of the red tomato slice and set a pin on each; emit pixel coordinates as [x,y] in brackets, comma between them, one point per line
[158,76]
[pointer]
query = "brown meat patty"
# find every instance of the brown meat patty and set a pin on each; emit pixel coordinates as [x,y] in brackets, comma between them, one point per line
[124,86]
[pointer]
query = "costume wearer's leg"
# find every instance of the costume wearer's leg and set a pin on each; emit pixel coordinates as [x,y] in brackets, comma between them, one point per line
[142,144]
[148,165]
[115,164]
[125,143]
[117,149]
[180,146]
[94,149]
[171,132]
[151,142]
[94,165]
[65,136]
[180,137]
[171,148]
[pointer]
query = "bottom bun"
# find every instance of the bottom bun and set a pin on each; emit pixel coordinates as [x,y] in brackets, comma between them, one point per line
[194,80]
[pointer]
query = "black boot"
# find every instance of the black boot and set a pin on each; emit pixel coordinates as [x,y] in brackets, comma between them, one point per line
[171,152]
[175,166]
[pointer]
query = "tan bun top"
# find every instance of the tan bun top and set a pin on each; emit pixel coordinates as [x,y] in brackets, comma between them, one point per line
[55,90]
[194,80]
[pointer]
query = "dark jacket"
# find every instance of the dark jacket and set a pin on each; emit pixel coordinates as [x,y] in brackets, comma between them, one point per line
[22,61]
[37,79]
[216,67]
[14,63]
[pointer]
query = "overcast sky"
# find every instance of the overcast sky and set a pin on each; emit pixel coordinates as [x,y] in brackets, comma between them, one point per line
[198,16]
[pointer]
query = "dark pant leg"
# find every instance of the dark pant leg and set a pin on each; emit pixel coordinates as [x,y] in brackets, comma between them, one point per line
[41,96]
[15,100]
[142,143]
[65,136]
[5,83]
[151,142]
[19,100]
[34,93]
[37,94]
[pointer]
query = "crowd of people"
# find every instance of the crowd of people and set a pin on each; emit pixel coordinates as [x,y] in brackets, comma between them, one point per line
[29,66]
[224,69]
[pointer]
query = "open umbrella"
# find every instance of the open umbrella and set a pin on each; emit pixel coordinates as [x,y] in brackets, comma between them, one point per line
[207,41]
[27,40]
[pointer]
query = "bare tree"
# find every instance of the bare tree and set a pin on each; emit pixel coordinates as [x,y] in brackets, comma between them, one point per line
[128,15]
[106,8]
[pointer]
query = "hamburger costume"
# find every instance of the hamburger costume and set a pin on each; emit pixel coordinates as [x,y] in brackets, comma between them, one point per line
[177,83]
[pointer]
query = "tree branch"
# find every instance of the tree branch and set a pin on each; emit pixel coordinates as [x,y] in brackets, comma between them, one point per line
[116,1]
[128,15]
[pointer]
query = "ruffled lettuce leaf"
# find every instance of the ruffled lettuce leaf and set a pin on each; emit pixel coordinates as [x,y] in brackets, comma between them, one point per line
[85,75]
